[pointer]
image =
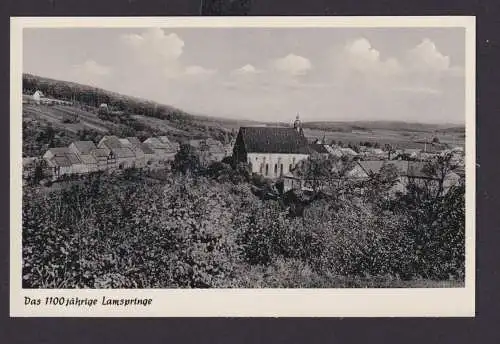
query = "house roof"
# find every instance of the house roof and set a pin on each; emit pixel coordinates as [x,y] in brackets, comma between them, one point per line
[273,140]
[146,148]
[412,150]
[84,147]
[65,154]
[155,142]
[405,168]
[60,161]
[73,158]
[59,151]
[100,152]
[134,141]
[88,159]
[318,148]
[123,152]
[111,142]
[125,142]
[348,151]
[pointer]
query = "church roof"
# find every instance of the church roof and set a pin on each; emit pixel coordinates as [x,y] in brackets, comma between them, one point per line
[273,140]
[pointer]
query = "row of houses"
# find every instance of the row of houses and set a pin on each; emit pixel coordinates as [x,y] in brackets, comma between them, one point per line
[371,153]
[407,171]
[112,153]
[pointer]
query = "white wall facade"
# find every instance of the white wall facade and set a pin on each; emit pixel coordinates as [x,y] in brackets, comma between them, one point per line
[277,164]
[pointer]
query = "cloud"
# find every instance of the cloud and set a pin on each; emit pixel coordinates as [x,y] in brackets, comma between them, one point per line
[154,42]
[92,67]
[425,56]
[89,72]
[245,70]
[199,71]
[293,65]
[359,55]
[161,51]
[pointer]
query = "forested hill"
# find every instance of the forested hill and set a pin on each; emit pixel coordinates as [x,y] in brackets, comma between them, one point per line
[93,97]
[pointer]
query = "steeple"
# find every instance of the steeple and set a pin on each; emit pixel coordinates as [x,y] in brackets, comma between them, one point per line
[297,125]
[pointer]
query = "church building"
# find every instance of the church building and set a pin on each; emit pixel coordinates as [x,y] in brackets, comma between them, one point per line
[271,151]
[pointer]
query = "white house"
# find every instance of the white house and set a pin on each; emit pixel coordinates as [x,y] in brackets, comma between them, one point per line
[37,96]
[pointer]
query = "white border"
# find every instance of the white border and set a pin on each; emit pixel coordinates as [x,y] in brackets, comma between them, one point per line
[448,302]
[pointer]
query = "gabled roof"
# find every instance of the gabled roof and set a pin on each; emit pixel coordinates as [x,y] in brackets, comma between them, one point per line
[64,153]
[412,150]
[273,140]
[124,152]
[88,159]
[84,147]
[59,151]
[111,142]
[125,142]
[100,152]
[146,148]
[60,161]
[73,158]
[348,151]
[318,148]
[155,142]
[405,168]
[134,141]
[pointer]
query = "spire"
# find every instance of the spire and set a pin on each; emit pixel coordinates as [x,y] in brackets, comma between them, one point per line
[297,125]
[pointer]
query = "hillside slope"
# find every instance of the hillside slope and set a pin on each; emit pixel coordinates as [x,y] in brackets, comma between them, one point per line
[53,125]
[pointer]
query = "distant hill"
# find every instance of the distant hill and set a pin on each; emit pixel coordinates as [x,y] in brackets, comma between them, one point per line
[378,125]
[47,126]
[93,96]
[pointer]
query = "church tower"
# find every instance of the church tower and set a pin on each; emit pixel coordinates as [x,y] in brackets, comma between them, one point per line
[297,125]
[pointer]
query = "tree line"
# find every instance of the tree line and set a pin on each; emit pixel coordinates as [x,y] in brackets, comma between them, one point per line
[200,227]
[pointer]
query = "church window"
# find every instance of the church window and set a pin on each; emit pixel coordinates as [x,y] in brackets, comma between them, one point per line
[290,167]
[267,169]
[281,169]
[261,168]
[275,169]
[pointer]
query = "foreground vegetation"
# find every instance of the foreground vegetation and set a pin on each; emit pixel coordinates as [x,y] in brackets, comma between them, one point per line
[200,227]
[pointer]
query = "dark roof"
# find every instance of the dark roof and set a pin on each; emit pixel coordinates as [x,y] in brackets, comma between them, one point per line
[318,148]
[100,152]
[84,147]
[112,142]
[146,148]
[124,152]
[60,161]
[273,140]
[405,168]
[155,142]
[134,141]
[73,158]
[59,151]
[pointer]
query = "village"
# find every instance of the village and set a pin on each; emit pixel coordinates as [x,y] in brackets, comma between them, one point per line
[272,152]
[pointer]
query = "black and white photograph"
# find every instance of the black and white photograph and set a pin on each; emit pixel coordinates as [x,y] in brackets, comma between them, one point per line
[245,157]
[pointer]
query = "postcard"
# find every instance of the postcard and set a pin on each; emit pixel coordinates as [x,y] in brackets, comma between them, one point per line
[242,167]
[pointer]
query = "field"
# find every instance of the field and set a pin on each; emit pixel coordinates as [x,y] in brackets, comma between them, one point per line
[399,139]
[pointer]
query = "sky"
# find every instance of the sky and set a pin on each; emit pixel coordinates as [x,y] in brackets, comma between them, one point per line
[267,74]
